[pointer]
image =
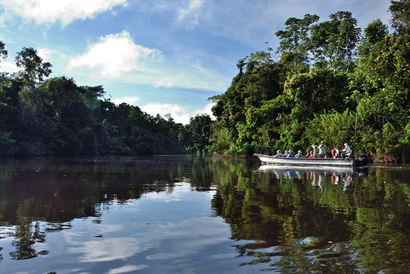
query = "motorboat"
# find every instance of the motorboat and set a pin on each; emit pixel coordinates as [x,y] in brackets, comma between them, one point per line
[340,162]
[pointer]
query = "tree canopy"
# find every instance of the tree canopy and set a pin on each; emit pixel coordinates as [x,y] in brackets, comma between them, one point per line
[46,116]
[331,82]
[328,81]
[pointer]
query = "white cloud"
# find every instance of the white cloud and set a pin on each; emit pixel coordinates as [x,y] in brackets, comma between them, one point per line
[45,54]
[126,269]
[186,75]
[130,100]
[165,82]
[179,113]
[7,66]
[185,13]
[206,110]
[65,11]
[190,12]
[115,55]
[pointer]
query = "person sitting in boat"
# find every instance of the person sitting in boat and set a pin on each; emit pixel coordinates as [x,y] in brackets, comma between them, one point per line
[315,150]
[278,154]
[347,151]
[307,153]
[335,153]
[310,154]
[299,154]
[290,154]
[285,154]
[322,150]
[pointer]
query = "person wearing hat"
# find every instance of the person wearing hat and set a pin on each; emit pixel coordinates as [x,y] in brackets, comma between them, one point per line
[347,150]
[299,154]
[322,150]
[290,154]
[278,154]
[315,150]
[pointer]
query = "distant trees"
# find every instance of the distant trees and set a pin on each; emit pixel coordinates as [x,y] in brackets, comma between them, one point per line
[200,129]
[40,116]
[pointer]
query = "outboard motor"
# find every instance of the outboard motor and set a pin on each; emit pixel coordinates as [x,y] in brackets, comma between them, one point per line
[362,160]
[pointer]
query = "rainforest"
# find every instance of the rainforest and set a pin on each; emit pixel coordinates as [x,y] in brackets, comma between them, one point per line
[328,80]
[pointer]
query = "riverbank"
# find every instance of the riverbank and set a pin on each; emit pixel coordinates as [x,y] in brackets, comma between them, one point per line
[231,156]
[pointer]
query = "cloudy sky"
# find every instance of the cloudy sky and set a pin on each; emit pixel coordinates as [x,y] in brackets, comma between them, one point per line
[166,56]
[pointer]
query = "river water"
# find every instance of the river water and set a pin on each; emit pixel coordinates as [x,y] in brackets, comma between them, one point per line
[181,214]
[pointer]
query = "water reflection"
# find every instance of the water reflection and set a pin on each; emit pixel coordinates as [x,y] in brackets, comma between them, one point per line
[317,176]
[189,214]
[323,220]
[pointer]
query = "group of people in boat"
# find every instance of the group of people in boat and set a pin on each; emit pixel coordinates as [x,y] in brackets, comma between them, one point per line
[288,154]
[318,151]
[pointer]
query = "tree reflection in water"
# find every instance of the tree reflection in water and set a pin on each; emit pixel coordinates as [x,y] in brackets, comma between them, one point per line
[40,196]
[318,220]
[285,220]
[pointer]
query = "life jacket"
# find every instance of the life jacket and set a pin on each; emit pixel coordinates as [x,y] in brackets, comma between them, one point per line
[335,153]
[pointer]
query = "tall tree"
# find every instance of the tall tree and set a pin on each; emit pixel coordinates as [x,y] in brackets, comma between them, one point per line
[294,41]
[33,68]
[334,41]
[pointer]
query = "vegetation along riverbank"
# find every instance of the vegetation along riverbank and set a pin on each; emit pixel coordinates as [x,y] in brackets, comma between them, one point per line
[328,80]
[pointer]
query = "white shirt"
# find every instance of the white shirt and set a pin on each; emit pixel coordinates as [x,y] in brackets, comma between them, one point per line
[347,149]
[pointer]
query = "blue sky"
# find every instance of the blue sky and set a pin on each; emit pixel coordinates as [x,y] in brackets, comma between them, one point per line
[164,56]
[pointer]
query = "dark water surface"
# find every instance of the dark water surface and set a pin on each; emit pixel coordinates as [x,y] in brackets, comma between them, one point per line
[196,215]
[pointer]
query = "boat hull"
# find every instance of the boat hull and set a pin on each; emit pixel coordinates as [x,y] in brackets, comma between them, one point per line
[267,159]
[305,168]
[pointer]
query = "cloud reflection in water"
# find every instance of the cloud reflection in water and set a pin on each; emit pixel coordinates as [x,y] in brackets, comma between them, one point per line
[132,234]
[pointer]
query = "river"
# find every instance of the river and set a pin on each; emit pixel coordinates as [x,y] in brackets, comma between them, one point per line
[185,214]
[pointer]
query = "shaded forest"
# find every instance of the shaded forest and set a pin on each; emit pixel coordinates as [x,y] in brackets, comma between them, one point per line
[330,82]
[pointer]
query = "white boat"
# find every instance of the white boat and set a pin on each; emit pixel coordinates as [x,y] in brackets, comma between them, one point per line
[306,168]
[268,159]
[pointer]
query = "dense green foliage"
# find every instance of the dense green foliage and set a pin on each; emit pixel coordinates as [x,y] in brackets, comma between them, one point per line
[56,116]
[331,82]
